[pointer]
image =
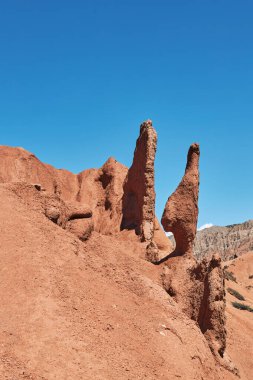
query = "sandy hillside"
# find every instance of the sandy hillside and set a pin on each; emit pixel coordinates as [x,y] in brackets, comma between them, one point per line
[90,287]
[240,322]
[95,310]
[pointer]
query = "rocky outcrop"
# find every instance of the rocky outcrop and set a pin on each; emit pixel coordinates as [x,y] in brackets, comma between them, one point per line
[111,199]
[69,215]
[160,247]
[19,165]
[69,309]
[211,318]
[199,289]
[180,215]
[138,203]
[139,192]
[100,189]
[117,197]
[230,241]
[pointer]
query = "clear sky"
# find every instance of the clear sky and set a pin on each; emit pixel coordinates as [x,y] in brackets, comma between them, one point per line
[78,77]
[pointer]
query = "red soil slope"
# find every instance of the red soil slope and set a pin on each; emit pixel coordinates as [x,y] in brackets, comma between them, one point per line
[96,308]
[240,322]
[92,310]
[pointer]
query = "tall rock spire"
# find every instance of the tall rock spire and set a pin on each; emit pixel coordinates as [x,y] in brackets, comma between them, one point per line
[180,215]
[139,192]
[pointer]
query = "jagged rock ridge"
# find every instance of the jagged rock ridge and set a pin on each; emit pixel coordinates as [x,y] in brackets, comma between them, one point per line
[229,241]
[117,197]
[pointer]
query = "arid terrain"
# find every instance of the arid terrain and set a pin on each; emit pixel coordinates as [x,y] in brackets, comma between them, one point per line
[240,322]
[91,287]
[230,241]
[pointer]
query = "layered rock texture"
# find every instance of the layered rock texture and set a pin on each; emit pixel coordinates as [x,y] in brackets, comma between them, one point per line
[180,215]
[230,241]
[138,202]
[139,189]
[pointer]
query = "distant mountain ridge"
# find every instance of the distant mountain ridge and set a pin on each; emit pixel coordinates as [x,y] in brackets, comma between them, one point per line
[229,241]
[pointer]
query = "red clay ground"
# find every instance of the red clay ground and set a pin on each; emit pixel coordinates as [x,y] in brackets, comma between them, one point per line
[240,322]
[95,310]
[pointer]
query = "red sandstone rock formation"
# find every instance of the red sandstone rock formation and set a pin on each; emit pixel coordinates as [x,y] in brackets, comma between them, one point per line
[199,289]
[94,200]
[71,216]
[69,308]
[180,215]
[19,165]
[160,247]
[102,190]
[139,192]
[211,318]
[115,201]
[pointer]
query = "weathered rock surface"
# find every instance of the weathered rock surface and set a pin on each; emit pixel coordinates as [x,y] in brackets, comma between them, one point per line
[100,189]
[160,247]
[180,215]
[199,288]
[230,241]
[104,191]
[82,228]
[211,318]
[200,291]
[71,216]
[161,240]
[19,165]
[139,191]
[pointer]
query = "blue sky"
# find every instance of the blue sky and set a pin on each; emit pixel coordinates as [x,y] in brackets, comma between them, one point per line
[78,77]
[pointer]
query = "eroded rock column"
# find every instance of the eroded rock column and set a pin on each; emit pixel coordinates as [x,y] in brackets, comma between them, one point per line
[180,215]
[139,193]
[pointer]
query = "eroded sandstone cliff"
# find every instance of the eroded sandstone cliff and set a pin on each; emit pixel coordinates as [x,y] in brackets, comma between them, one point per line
[230,241]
